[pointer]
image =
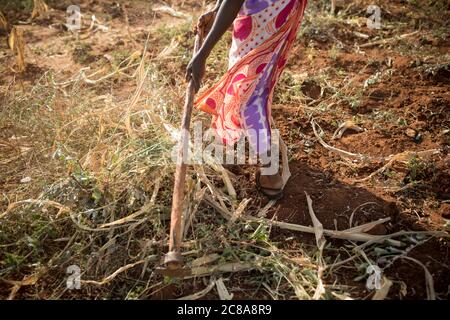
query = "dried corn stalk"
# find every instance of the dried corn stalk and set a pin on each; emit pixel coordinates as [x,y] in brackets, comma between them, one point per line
[17,44]
[40,7]
[3,21]
[200,294]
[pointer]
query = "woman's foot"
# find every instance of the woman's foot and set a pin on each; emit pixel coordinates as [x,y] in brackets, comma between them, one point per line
[270,185]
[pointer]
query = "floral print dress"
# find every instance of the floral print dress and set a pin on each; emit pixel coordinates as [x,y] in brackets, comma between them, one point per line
[240,102]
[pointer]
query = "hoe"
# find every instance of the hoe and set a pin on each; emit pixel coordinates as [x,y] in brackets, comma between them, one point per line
[173,265]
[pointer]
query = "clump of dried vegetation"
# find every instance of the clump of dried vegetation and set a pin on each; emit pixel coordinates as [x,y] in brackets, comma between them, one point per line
[88,177]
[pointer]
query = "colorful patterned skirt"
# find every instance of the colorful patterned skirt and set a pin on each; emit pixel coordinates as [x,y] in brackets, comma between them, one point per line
[240,102]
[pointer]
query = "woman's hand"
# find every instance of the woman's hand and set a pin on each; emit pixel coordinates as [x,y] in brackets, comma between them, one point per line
[227,12]
[195,70]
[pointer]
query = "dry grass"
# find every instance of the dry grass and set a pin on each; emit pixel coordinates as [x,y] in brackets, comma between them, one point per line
[87,179]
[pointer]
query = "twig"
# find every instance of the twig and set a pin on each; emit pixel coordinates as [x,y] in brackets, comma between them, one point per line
[368,226]
[145,208]
[401,233]
[242,206]
[142,73]
[385,41]
[336,150]
[382,293]
[401,157]
[318,227]
[62,209]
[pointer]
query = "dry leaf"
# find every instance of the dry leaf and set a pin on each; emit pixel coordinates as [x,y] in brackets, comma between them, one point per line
[241,208]
[383,292]
[347,125]
[27,281]
[170,11]
[342,153]
[12,38]
[429,282]
[286,173]
[205,260]
[113,275]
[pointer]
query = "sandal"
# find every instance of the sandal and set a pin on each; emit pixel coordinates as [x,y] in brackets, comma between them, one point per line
[271,193]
